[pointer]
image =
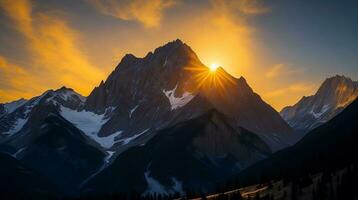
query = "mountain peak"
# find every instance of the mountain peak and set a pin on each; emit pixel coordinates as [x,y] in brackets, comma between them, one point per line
[338,78]
[242,79]
[127,59]
[63,89]
[336,84]
[334,94]
[173,45]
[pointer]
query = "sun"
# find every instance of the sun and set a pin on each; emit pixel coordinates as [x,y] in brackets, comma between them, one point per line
[213,67]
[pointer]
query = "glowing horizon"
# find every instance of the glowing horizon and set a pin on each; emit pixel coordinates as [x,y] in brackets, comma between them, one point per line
[46,45]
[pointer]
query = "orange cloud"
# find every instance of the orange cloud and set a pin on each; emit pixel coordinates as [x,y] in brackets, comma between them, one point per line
[247,7]
[289,95]
[53,46]
[16,82]
[149,13]
[298,87]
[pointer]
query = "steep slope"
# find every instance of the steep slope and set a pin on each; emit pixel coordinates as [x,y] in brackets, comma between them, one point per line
[150,93]
[332,97]
[40,137]
[13,122]
[59,151]
[20,182]
[329,147]
[195,154]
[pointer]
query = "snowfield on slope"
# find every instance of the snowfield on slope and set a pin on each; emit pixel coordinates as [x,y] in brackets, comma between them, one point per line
[177,102]
[90,123]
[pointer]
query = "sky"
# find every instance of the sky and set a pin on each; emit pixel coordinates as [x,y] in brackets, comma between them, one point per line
[284,48]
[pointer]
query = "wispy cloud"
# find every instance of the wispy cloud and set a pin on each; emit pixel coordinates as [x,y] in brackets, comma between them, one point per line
[16,81]
[53,46]
[281,70]
[300,88]
[247,7]
[149,13]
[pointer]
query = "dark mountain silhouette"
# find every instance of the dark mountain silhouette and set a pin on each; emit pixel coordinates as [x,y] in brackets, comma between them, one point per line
[49,143]
[326,148]
[20,182]
[195,154]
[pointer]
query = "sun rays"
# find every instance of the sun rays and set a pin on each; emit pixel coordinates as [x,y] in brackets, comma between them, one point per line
[211,78]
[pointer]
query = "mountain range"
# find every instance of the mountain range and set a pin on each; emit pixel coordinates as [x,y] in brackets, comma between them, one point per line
[163,123]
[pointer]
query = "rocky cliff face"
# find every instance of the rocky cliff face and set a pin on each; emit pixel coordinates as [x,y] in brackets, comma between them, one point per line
[150,93]
[332,97]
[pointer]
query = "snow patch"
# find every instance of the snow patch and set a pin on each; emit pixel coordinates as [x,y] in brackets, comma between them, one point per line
[90,123]
[166,61]
[154,186]
[66,95]
[17,126]
[21,121]
[324,109]
[132,110]
[178,186]
[18,152]
[129,139]
[12,106]
[177,102]
[109,156]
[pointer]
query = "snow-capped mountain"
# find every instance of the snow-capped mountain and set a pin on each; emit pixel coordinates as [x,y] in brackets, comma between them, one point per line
[7,108]
[39,136]
[151,93]
[332,97]
[143,95]
[14,121]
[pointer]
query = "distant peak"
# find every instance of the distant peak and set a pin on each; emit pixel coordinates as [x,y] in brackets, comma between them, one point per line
[335,81]
[338,77]
[64,89]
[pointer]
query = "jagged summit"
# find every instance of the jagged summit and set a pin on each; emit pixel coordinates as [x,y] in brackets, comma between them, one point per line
[177,48]
[64,89]
[163,83]
[173,45]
